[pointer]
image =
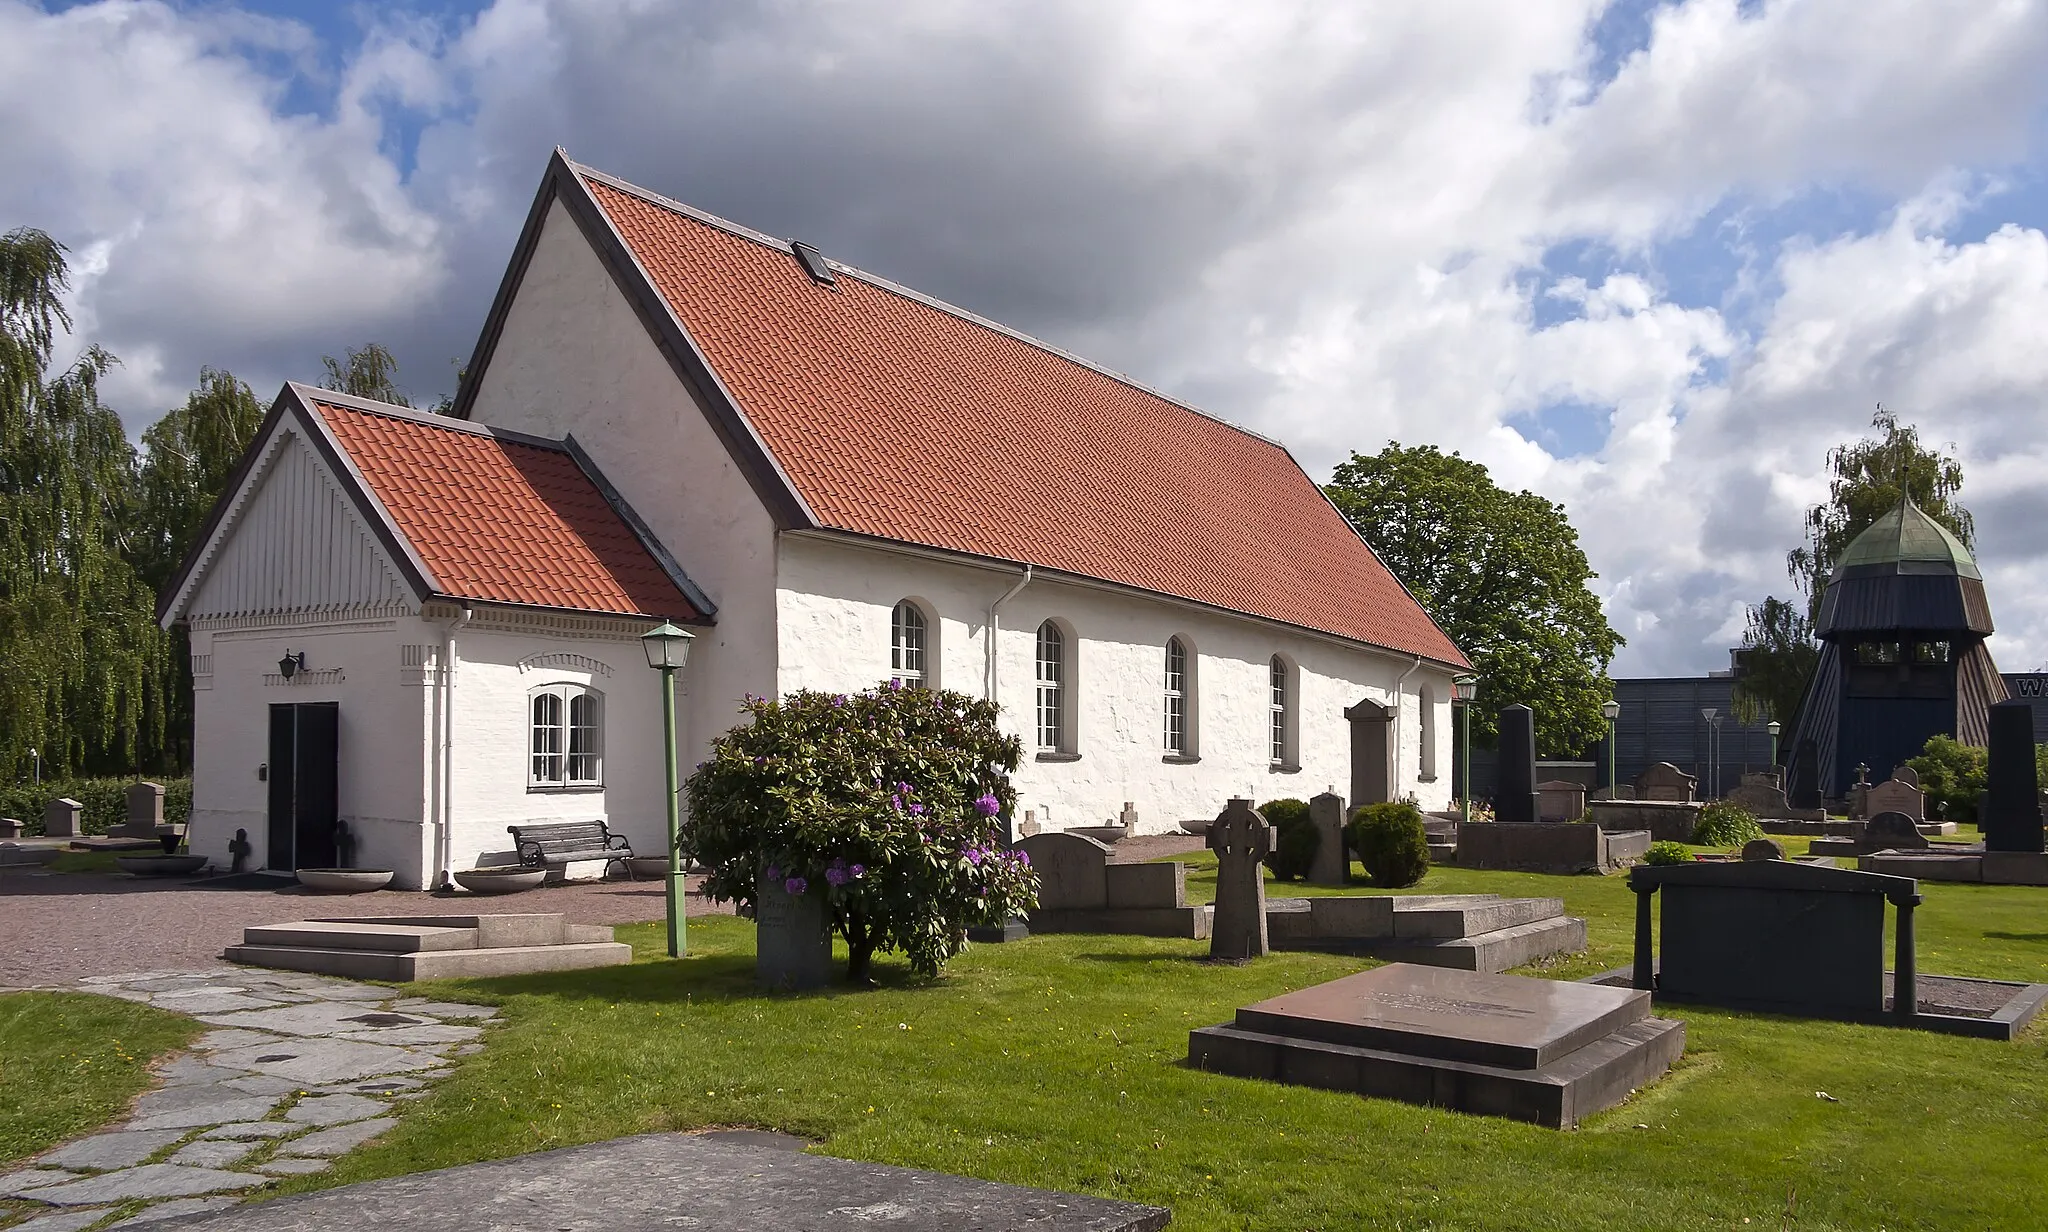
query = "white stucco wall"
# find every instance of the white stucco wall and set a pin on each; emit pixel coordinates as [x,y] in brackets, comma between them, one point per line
[834,600]
[383,729]
[574,358]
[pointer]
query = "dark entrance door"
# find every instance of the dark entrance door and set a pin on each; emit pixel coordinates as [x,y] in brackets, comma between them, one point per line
[305,771]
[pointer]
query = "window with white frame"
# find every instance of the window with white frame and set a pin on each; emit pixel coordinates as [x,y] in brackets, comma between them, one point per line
[566,737]
[1053,679]
[1178,689]
[909,638]
[1281,708]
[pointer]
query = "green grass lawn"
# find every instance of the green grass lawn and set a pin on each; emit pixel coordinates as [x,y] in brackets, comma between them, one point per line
[71,1062]
[1060,1062]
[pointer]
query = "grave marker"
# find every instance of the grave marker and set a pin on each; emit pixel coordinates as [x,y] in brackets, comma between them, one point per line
[1893,796]
[1516,799]
[1893,830]
[145,810]
[64,818]
[1070,871]
[2012,812]
[1666,782]
[793,944]
[1241,840]
[1332,865]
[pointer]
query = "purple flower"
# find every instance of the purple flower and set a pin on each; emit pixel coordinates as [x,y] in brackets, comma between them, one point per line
[839,699]
[774,872]
[973,855]
[859,871]
[988,805]
[1022,857]
[895,685]
[760,761]
[917,810]
[902,789]
[835,875]
[795,885]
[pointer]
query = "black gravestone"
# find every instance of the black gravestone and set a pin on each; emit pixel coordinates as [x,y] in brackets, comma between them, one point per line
[1774,935]
[1805,790]
[2012,801]
[1515,799]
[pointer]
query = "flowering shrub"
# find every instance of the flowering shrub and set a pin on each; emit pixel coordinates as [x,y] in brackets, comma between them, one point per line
[889,802]
[1668,852]
[1724,823]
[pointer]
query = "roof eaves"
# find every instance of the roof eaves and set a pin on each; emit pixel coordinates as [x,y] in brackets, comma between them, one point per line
[707,611]
[417,575]
[764,473]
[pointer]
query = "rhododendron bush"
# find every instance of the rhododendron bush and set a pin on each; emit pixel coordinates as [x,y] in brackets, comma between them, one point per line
[888,803]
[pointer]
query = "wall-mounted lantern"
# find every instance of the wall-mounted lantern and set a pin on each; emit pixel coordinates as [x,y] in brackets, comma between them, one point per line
[292,664]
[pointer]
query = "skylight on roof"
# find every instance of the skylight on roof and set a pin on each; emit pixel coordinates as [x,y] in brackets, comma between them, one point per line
[814,263]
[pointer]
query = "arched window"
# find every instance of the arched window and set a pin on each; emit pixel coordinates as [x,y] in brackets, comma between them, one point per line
[1053,679]
[1178,690]
[566,736]
[908,635]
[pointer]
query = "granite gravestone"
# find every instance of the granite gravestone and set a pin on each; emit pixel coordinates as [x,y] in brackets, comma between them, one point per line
[1665,782]
[10,827]
[1893,831]
[239,849]
[1763,849]
[2012,800]
[1892,796]
[1907,775]
[1241,840]
[1332,866]
[1773,935]
[1515,799]
[1761,795]
[64,818]
[145,810]
[1560,800]
[793,938]
[1547,1051]
[1804,792]
[1070,870]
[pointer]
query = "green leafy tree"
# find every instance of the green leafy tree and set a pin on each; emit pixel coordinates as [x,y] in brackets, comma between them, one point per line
[1502,573]
[1865,482]
[886,802]
[82,663]
[369,371]
[188,456]
[1778,655]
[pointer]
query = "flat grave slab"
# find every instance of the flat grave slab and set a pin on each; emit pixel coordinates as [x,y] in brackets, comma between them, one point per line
[1534,1050]
[682,1180]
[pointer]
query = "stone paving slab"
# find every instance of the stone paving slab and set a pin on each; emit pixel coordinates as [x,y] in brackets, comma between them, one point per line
[660,1182]
[300,1083]
[337,1141]
[121,1149]
[147,1181]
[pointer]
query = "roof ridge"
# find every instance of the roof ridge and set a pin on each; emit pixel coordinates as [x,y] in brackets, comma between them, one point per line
[430,419]
[930,301]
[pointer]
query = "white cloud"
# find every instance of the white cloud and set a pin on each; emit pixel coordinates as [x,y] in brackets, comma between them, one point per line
[1325,221]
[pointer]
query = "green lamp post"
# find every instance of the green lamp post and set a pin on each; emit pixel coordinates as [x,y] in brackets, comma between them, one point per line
[668,648]
[1610,710]
[1463,690]
[1774,727]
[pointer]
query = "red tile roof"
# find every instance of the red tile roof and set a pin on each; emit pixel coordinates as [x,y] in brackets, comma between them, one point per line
[502,520]
[895,417]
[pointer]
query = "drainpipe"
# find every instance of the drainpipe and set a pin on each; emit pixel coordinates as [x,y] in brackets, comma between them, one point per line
[989,630]
[445,823]
[1412,668]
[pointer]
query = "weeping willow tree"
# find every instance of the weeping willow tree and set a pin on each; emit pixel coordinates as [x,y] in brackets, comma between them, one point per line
[84,671]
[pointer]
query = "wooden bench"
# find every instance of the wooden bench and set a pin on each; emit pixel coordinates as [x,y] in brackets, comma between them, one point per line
[561,842]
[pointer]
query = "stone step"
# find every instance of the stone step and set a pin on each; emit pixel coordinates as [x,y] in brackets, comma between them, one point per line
[433,964]
[355,935]
[492,930]
[1443,853]
[1471,919]
[1490,952]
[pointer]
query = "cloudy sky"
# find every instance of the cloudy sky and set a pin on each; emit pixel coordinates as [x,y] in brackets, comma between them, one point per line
[1650,260]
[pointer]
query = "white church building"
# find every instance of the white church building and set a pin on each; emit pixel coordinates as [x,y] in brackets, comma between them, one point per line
[426,627]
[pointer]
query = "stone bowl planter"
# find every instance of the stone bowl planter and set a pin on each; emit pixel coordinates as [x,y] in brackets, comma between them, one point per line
[649,868]
[160,866]
[345,880]
[1101,834]
[508,879]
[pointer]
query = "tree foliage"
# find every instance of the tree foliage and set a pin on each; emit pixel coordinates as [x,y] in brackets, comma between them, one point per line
[369,371]
[82,663]
[188,456]
[1778,655]
[1864,485]
[886,802]
[1502,573]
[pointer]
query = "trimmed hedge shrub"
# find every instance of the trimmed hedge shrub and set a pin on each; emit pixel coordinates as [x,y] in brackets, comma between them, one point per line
[105,801]
[1391,842]
[1294,838]
[1667,852]
[1724,824]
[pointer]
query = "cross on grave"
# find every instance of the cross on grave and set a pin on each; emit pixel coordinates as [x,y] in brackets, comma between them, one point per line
[1241,840]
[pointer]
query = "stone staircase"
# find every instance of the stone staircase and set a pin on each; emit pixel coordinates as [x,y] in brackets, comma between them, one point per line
[400,949]
[1469,932]
[1443,838]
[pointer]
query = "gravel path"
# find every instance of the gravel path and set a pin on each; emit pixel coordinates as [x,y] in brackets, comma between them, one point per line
[60,928]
